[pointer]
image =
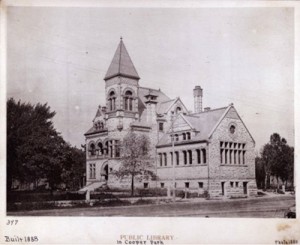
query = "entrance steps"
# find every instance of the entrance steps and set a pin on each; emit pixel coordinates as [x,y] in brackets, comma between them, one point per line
[92,186]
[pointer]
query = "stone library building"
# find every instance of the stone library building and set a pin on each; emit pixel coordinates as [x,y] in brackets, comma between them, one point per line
[213,151]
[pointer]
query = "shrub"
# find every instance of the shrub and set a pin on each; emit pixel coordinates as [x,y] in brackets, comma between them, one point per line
[260,193]
[30,206]
[37,196]
[143,202]
[279,191]
[153,192]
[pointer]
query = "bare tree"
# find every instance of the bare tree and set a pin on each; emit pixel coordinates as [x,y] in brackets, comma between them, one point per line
[136,161]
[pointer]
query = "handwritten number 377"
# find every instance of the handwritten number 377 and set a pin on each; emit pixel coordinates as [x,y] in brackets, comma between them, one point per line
[12,222]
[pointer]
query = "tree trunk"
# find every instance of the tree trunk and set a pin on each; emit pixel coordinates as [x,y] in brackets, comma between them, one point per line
[132,185]
[9,182]
[266,181]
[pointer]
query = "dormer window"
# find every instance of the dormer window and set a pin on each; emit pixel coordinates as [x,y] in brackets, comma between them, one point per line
[188,135]
[128,101]
[99,125]
[112,101]
[176,137]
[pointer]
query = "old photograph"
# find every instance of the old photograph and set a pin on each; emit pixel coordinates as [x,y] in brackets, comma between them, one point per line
[150,112]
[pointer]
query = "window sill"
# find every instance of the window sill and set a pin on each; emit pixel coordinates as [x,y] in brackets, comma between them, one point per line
[234,165]
[188,165]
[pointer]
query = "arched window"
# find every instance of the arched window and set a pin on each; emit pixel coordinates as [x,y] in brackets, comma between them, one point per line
[106,148]
[112,101]
[178,110]
[184,136]
[117,148]
[128,101]
[92,149]
[100,147]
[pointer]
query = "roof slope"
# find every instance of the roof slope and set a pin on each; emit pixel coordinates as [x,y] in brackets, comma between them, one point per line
[161,97]
[121,64]
[203,123]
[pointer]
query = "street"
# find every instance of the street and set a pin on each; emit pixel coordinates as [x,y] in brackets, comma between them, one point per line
[269,207]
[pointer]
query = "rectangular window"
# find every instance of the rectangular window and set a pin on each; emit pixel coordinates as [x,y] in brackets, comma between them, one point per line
[92,170]
[160,159]
[161,127]
[177,157]
[226,156]
[117,148]
[221,155]
[184,157]
[146,185]
[165,159]
[234,156]
[162,185]
[239,157]
[200,185]
[231,184]
[204,155]
[236,184]
[230,156]
[190,156]
[198,156]
[187,184]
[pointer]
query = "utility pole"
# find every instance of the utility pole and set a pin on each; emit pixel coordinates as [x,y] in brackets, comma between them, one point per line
[173,156]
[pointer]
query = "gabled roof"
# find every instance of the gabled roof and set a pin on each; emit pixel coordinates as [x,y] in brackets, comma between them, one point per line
[203,123]
[160,96]
[99,113]
[93,130]
[121,64]
[164,106]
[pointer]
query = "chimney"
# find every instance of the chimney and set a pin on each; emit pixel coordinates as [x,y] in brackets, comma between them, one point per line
[198,99]
[151,101]
[206,108]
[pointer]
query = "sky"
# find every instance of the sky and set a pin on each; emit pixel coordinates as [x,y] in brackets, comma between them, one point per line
[243,56]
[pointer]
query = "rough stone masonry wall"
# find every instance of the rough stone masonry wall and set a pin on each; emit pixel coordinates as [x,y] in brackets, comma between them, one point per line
[232,172]
[191,173]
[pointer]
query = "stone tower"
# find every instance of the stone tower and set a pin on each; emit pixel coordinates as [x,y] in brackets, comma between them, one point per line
[121,89]
[198,92]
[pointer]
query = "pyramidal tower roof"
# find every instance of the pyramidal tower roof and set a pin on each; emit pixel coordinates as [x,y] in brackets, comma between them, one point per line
[121,64]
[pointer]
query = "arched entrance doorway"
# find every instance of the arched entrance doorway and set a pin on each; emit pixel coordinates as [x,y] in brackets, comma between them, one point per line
[104,171]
